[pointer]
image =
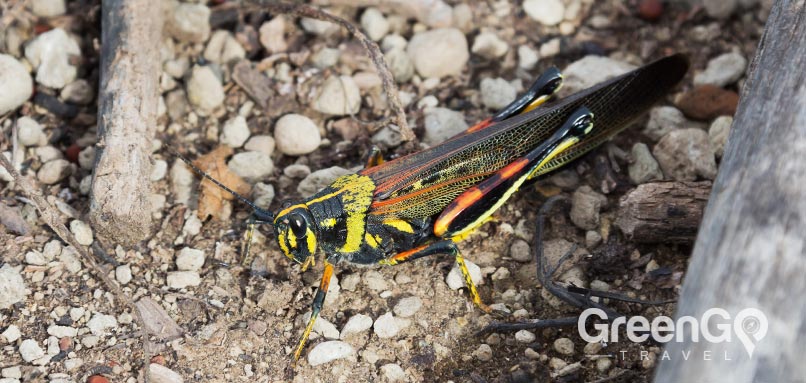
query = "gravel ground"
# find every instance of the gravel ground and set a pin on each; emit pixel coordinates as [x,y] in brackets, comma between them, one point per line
[323,107]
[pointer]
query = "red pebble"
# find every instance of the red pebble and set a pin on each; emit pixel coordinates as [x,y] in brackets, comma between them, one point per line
[158,359]
[72,153]
[650,10]
[97,379]
[65,344]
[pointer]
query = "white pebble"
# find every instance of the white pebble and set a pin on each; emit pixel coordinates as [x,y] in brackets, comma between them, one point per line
[260,143]
[496,93]
[722,70]
[439,52]
[488,45]
[30,350]
[263,194]
[35,258]
[17,84]
[54,171]
[235,132]
[160,374]
[78,92]
[251,165]
[13,372]
[441,124]
[319,179]
[12,286]
[456,280]
[12,333]
[326,352]
[564,346]
[29,132]
[190,259]
[123,274]
[525,336]
[357,324]
[338,96]
[546,12]
[82,232]
[183,279]
[272,35]
[408,306]
[50,54]
[189,22]
[718,134]
[527,57]
[69,258]
[296,134]
[393,372]
[100,323]
[591,70]
[86,158]
[375,24]
[48,8]
[204,90]
[223,48]
[387,325]
[158,171]
[62,331]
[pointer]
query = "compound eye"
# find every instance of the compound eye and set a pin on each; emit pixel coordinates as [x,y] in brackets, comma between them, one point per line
[298,225]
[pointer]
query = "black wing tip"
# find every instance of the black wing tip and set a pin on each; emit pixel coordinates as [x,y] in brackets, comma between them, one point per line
[675,65]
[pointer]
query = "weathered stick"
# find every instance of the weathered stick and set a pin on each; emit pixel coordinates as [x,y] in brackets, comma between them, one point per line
[751,249]
[663,212]
[127,114]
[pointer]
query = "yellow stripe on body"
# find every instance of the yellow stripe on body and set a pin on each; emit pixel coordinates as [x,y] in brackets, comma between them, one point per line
[399,225]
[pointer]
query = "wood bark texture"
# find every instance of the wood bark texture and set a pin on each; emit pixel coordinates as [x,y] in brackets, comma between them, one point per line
[663,212]
[751,249]
[127,113]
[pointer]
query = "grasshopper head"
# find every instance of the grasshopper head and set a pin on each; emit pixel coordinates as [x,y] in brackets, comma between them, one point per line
[295,232]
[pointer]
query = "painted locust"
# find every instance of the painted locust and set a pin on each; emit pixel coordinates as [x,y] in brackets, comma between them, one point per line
[423,203]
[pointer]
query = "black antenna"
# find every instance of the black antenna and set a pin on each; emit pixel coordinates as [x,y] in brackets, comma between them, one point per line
[263,215]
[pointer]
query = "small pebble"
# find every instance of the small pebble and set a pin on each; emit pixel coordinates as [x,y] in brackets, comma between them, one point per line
[35,258]
[204,90]
[158,373]
[252,166]
[603,364]
[722,70]
[387,137]
[325,58]
[260,143]
[30,350]
[48,153]
[520,251]
[189,22]
[100,323]
[557,364]
[592,348]
[527,57]
[585,207]
[17,84]
[664,119]
[263,194]
[296,134]
[50,54]
[357,324]
[394,42]
[546,12]
[644,167]
[592,239]
[78,92]
[375,24]
[69,258]
[319,179]
[686,154]
[650,10]
[439,52]
[387,325]
[393,373]
[12,333]
[484,353]
[550,48]
[718,134]
[62,331]
[48,8]
[322,327]
[375,281]
[456,281]
[329,351]
[235,132]
[719,9]
[591,70]
[441,124]
[30,133]
[183,279]
[706,102]
[488,45]
[338,96]
[223,48]
[272,35]
[54,171]
[318,27]
[525,336]
[123,274]
[564,346]
[400,65]
[190,259]
[13,372]
[82,232]
[158,171]
[408,306]
[497,93]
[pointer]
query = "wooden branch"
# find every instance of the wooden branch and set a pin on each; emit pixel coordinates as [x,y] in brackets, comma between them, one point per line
[663,212]
[751,249]
[127,114]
